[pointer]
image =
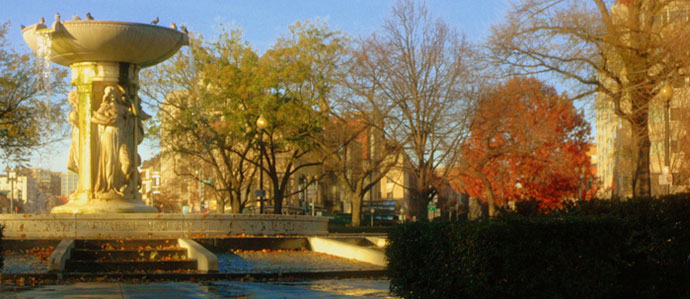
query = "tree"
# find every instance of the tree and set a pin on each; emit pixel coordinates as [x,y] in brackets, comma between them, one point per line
[204,122]
[526,142]
[358,149]
[211,107]
[166,202]
[624,51]
[358,153]
[425,72]
[298,75]
[29,117]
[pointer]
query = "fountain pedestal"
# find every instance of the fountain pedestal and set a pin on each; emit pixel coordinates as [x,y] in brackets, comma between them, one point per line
[105,58]
[89,151]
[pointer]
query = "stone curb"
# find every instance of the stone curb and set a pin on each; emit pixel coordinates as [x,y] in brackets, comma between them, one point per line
[198,276]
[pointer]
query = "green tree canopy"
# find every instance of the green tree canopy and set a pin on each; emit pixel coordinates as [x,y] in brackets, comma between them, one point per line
[29,115]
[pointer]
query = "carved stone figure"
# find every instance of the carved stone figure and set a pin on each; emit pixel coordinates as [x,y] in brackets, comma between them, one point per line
[139,117]
[73,118]
[116,163]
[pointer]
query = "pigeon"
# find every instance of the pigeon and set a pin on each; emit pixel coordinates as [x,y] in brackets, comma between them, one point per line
[155,21]
[76,18]
[184,29]
[22,26]
[173,26]
[88,16]
[57,17]
[42,20]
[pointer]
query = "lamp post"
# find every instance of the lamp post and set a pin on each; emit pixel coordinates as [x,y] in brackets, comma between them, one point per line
[261,124]
[200,189]
[372,210]
[666,94]
[304,185]
[11,177]
[313,205]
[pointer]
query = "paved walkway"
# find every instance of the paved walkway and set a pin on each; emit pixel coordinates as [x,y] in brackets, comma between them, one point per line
[344,288]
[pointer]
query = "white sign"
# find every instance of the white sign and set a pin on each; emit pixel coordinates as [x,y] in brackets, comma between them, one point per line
[666,179]
[312,191]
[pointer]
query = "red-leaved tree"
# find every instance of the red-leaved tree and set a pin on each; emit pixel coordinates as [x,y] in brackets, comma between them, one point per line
[527,142]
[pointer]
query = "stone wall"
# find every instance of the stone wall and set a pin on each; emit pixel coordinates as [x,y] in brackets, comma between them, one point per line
[80,226]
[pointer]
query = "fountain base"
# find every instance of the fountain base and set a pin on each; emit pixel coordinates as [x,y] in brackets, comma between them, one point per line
[150,225]
[104,207]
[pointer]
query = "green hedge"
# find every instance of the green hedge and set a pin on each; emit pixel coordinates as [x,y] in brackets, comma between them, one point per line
[423,260]
[335,228]
[658,244]
[597,249]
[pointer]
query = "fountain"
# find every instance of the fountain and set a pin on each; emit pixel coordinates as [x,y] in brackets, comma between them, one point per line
[105,58]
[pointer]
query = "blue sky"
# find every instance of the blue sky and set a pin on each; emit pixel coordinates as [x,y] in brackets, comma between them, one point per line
[262,22]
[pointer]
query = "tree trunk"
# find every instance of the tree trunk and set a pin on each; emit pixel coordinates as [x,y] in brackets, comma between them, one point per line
[220,206]
[357,198]
[235,203]
[490,199]
[356,209]
[277,200]
[418,205]
[642,182]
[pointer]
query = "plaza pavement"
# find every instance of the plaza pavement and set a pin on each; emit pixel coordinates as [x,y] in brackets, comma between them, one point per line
[343,288]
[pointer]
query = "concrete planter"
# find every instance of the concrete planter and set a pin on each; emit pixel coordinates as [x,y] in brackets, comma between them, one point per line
[85,226]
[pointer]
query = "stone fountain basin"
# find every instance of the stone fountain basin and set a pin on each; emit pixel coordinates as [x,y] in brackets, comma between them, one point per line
[106,41]
[151,225]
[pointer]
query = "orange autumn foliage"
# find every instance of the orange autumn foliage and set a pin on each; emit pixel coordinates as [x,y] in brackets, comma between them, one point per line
[526,142]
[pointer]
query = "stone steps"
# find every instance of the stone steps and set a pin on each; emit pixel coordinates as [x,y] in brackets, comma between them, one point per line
[123,255]
[87,266]
[129,256]
[132,244]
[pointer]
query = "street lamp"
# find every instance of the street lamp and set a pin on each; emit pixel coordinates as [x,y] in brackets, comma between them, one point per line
[11,177]
[666,94]
[261,124]
[313,205]
[372,210]
[304,185]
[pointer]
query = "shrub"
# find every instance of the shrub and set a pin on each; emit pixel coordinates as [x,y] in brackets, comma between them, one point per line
[541,257]
[335,228]
[511,256]
[658,242]
[601,249]
[422,260]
